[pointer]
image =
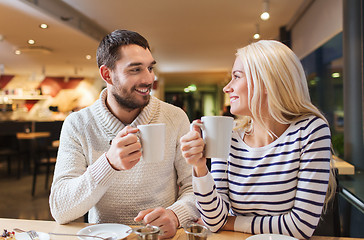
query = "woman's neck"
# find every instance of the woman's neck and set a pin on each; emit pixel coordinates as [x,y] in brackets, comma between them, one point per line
[261,136]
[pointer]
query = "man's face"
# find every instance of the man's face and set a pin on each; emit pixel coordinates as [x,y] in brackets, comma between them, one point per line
[133,77]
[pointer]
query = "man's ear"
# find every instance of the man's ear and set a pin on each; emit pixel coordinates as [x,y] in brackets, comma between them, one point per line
[105,73]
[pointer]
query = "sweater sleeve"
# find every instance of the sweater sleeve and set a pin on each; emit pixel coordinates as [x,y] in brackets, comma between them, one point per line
[77,186]
[184,207]
[212,195]
[301,221]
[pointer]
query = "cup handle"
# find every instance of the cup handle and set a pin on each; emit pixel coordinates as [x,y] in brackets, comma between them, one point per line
[139,140]
[200,125]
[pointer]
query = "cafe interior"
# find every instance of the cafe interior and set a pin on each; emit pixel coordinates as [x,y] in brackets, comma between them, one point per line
[48,70]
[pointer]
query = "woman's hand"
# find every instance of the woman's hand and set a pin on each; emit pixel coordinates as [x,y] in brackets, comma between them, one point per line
[192,146]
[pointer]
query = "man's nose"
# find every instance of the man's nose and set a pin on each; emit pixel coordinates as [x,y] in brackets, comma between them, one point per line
[148,76]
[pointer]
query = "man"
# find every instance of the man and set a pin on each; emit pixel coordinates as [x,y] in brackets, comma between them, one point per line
[99,166]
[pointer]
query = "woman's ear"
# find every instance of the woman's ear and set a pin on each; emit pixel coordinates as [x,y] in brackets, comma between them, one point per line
[105,73]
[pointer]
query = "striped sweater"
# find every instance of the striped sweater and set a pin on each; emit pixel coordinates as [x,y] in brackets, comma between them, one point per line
[279,188]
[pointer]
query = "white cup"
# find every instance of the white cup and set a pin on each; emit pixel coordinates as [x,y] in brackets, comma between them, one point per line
[152,138]
[216,132]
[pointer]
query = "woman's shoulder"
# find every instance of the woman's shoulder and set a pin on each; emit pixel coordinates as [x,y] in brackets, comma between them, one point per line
[309,120]
[309,124]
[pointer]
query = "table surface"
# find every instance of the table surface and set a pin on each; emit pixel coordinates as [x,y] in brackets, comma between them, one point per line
[32,135]
[74,227]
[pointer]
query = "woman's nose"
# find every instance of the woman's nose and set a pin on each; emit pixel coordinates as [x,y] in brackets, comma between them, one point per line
[227,88]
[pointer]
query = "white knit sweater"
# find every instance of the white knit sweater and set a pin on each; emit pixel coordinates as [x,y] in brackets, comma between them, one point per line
[85,181]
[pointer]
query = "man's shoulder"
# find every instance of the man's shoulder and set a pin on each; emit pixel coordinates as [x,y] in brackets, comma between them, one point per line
[81,116]
[171,113]
[170,107]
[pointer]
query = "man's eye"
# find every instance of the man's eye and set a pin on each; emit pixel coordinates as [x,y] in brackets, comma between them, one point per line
[150,69]
[135,70]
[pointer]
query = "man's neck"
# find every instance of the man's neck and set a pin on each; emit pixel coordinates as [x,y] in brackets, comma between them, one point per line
[125,115]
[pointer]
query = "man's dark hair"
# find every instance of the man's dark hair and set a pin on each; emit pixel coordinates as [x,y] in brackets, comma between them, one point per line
[108,50]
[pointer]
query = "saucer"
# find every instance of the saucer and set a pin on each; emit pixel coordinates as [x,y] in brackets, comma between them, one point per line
[105,230]
[271,237]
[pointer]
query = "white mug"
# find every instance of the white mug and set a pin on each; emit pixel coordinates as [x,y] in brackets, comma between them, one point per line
[152,138]
[216,132]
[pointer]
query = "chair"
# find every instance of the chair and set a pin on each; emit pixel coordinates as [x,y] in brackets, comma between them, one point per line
[9,152]
[329,224]
[47,156]
[40,153]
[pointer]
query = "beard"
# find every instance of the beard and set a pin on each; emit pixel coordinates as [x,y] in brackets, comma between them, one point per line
[125,98]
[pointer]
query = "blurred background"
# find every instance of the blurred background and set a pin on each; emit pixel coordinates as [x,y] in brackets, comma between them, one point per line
[48,49]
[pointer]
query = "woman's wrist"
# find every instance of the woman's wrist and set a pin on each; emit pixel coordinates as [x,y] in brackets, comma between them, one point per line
[200,171]
[229,226]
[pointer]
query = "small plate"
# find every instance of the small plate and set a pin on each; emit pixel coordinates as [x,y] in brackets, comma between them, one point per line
[270,237]
[105,230]
[25,236]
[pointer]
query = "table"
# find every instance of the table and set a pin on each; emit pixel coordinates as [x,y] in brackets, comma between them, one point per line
[74,227]
[32,135]
[34,145]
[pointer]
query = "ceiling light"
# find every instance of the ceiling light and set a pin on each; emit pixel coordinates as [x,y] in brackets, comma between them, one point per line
[265,14]
[256,34]
[31,41]
[43,25]
[88,57]
[17,52]
[190,88]
[35,49]
[335,75]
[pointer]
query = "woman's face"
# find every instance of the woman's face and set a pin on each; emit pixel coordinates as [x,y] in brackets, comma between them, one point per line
[237,89]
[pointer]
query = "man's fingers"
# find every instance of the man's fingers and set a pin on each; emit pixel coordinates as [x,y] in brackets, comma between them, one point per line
[128,141]
[142,214]
[126,130]
[152,216]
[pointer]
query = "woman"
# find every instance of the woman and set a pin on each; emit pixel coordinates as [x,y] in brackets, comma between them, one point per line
[277,174]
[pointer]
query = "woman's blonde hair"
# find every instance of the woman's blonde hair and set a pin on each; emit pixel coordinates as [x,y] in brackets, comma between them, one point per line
[272,69]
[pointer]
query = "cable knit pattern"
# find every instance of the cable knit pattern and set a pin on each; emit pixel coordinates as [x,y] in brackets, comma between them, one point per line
[85,181]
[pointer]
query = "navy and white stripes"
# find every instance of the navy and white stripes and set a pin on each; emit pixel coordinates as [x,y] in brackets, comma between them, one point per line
[279,188]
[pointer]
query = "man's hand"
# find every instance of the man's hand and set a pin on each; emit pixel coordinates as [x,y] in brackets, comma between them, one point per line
[163,218]
[124,152]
